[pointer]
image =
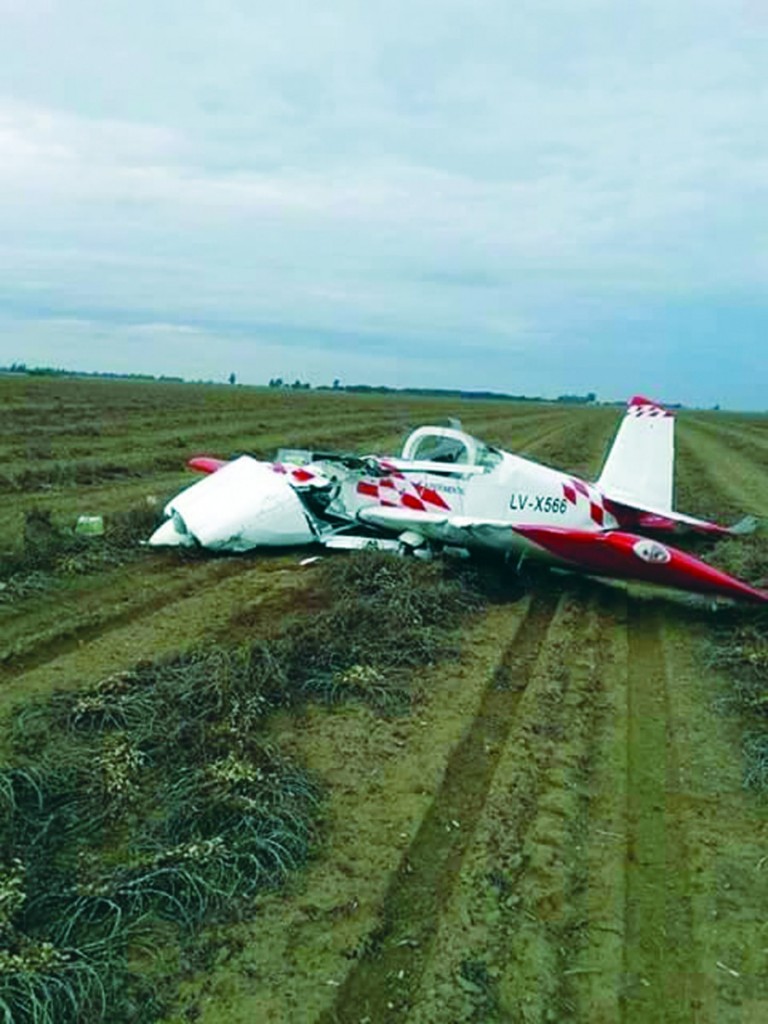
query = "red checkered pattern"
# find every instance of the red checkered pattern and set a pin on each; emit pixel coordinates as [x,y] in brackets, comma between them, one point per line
[397,490]
[639,405]
[640,411]
[575,488]
[298,474]
[390,468]
[394,490]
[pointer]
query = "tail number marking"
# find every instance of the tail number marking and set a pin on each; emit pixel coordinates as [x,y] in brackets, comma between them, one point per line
[538,503]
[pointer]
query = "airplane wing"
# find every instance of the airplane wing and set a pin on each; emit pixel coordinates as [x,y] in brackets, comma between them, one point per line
[624,555]
[614,553]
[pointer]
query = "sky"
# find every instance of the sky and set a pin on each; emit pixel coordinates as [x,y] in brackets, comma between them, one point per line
[540,197]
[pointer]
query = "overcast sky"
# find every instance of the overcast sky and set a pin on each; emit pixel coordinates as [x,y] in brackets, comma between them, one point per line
[540,197]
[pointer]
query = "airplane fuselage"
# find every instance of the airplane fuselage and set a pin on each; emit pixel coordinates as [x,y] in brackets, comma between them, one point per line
[448,488]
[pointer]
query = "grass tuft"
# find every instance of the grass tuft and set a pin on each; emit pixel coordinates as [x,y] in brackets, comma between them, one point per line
[745,557]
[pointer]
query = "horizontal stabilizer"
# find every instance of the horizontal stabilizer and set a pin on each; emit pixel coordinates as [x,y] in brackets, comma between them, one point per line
[633,516]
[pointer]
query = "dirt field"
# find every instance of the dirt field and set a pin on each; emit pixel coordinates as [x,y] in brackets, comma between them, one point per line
[557,830]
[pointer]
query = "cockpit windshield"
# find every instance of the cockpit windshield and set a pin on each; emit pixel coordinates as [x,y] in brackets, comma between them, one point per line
[451,447]
[436,448]
[486,456]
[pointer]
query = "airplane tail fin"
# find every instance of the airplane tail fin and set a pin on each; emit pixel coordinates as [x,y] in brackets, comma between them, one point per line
[639,469]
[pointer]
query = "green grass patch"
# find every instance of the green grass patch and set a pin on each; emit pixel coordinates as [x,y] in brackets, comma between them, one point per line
[745,557]
[53,552]
[740,652]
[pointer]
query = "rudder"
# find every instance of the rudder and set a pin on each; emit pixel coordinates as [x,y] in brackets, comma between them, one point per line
[639,469]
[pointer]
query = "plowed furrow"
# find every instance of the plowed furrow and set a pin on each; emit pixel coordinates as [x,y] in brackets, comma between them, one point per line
[595,973]
[195,611]
[385,980]
[514,942]
[724,832]
[573,446]
[716,478]
[60,630]
[753,443]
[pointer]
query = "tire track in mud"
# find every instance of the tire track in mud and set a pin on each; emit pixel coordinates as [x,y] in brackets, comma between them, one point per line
[509,947]
[552,928]
[384,981]
[694,892]
[595,971]
[661,981]
[713,966]
[725,829]
[531,928]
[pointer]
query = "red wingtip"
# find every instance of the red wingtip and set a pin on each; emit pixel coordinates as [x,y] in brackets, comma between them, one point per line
[642,400]
[205,464]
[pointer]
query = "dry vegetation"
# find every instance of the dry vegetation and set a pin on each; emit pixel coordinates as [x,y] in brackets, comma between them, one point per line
[155,795]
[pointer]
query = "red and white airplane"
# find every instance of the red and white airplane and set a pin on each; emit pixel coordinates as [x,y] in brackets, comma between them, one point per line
[448,489]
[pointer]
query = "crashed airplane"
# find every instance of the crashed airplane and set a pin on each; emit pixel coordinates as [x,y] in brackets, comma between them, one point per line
[450,490]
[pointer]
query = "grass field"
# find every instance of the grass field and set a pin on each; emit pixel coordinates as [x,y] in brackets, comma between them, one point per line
[469,801]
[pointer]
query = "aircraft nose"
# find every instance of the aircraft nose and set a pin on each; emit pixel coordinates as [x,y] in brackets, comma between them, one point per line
[172,533]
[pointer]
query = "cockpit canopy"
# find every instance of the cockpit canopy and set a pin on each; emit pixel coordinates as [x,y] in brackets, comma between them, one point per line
[449,446]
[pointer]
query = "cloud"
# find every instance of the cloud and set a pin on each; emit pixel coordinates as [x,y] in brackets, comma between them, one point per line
[415,178]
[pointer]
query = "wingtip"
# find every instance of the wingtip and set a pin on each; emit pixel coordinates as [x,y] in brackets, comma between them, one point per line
[205,464]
